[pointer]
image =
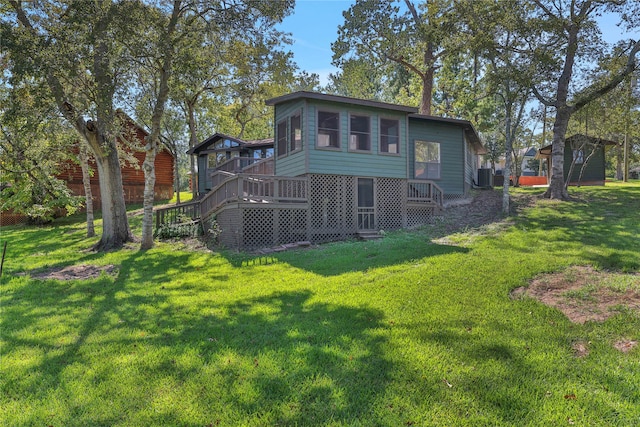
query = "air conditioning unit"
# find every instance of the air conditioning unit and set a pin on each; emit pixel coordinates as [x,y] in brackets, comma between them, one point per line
[485,178]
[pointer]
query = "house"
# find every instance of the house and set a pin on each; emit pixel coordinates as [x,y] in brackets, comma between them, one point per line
[589,155]
[222,152]
[132,142]
[341,167]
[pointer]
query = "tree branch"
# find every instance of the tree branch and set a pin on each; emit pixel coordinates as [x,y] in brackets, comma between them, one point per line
[541,98]
[615,80]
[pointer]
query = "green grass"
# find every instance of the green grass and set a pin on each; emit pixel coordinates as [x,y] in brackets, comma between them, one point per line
[403,331]
[185,196]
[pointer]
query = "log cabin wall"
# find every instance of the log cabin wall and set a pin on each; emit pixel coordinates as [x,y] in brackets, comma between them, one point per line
[132,176]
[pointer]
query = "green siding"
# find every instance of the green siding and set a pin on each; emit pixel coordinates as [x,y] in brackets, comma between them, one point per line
[291,164]
[593,171]
[343,162]
[452,151]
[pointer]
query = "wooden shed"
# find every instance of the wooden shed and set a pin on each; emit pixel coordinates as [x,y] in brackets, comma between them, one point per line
[589,155]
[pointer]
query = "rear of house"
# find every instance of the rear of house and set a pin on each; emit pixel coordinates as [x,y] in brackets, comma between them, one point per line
[344,167]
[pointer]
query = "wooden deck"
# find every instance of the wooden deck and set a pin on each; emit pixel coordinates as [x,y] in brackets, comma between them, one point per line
[260,210]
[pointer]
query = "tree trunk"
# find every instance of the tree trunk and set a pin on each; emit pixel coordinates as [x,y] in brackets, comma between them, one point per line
[88,195]
[153,140]
[508,149]
[115,225]
[176,177]
[619,161]
[149,169]
[427,82]
[193,141]
[556,188]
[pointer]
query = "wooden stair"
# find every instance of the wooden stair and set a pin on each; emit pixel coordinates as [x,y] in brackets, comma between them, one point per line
[369,235]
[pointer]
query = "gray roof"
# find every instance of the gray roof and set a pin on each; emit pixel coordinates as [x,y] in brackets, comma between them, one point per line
[266,142]
[341,99]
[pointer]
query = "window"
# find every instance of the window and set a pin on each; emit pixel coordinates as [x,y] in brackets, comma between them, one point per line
[295,139]
[289,134]
[328,129]
[211,161]
[359,133]
[225,143]
[427,160]
[282,138]
[578,156]
[389,136]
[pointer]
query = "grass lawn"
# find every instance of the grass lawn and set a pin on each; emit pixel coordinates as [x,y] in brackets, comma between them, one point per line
[407,331]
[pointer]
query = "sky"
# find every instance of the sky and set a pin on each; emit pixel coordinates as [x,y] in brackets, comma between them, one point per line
[314,26]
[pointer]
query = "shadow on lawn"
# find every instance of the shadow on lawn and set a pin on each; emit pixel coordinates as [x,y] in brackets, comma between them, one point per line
[510,371]
[275,359]
[288,361]
[337,258]
[604,220]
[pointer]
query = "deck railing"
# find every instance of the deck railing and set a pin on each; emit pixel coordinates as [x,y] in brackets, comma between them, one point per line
[218,177]
[177,214]
[255,188]
[261,167]
[419,191]
[237,164]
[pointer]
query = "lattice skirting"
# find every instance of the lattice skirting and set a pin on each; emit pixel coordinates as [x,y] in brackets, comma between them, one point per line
[448,197]
[329,215]
[417,216]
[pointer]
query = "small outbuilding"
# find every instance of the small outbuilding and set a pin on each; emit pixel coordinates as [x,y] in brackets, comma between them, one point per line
[586,153]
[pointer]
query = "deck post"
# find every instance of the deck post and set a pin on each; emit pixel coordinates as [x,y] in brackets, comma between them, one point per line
[276,188]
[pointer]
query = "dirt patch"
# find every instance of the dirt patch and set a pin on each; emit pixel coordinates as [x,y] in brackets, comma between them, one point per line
[625,346]
[481,208]
[580,349]
[584,294]
[74,272]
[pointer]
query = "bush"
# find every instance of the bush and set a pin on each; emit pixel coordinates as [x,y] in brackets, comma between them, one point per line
[184,227]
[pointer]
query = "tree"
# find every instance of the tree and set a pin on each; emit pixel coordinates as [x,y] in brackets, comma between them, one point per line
[245,19]
[34,144]
[507,75]
[75,47]
[413,36]
[358,78]
[568,37]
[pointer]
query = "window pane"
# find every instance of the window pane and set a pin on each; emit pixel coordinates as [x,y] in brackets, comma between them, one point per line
[282,138]
[427,160]
[328,129]
[389,136]
[365,192]
[359,137]
[221,158]
[296,132]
